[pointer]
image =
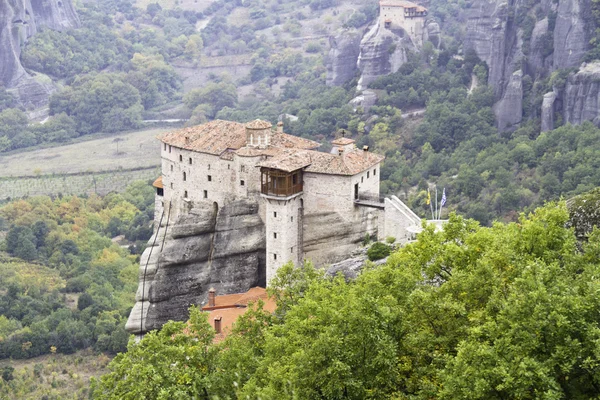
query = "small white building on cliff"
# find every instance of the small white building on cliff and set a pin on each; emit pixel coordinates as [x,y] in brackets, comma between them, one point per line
[314,205]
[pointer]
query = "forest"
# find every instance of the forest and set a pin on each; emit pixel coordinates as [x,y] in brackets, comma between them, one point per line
[471,312]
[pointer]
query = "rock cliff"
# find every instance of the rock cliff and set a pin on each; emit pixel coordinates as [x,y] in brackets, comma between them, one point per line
[581,97]
[19,20]
[558,37]
[343,55]
[204,248]
[382,51]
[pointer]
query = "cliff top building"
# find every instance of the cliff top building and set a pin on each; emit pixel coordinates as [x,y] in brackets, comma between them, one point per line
[405,15]
[237,201]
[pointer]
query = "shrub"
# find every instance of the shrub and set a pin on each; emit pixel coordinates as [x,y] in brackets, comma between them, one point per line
[378,251]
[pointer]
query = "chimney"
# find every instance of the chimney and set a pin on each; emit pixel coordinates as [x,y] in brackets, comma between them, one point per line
[187,140]
[211,297]
[280,127]
[218,324]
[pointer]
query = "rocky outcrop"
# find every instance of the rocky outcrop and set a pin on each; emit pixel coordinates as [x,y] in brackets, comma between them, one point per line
[204,248]
[581,97]
[341,61]
[19,20]
[548,111]
[559,39]
[509,109]
[382,51]
[572,33]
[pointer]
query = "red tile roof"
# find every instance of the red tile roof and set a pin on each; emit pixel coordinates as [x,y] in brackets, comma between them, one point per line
[158,183]
[230,307]
[217,136]
[342,141]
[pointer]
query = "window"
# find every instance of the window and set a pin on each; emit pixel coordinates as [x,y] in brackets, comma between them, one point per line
[242,183]
[362,179]
[171,168]
[367,174]
[190,160]
[274,235]
[180,158]
[292,249]
[209,167]
[292,219]
[210,178]
[228,166]
[165,147]
[171,185]
[275,214]
[185,194]
[242,168]
[169,148]
[206,194]
[274,256]
[375,172]
[184,176]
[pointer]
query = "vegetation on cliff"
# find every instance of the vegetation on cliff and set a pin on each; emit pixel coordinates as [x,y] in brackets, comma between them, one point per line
[508,311]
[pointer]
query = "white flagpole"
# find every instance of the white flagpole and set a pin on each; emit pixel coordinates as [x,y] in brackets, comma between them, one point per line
[436,203]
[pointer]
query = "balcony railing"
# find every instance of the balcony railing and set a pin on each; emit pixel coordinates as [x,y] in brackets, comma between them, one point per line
[281,191]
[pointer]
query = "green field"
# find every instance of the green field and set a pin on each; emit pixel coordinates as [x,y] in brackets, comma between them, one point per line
[92,166]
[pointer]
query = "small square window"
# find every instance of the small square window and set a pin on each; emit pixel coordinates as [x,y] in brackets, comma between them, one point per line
[190,160]
[180,157]
[242,183]
[206,194]
[274,235]
[210,178]
[274,256]
[275,214]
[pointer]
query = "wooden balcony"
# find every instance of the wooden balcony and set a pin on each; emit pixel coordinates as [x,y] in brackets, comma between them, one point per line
[279,183]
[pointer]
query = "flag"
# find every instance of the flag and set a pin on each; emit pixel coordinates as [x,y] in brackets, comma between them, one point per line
[428,197]
[444,197]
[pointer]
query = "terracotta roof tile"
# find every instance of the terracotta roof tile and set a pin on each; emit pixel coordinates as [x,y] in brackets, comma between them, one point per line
[217,136]
[230,307]
[349,163]
[402,3]
[158,183]
[213,137]
[258,124]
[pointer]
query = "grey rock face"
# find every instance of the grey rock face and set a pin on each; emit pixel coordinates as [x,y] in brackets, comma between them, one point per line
[19,20]
[434,33]
[548,111]
[572,32]
[509,110]
[342,58]
[204,248]
[382,51]
[581,98]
